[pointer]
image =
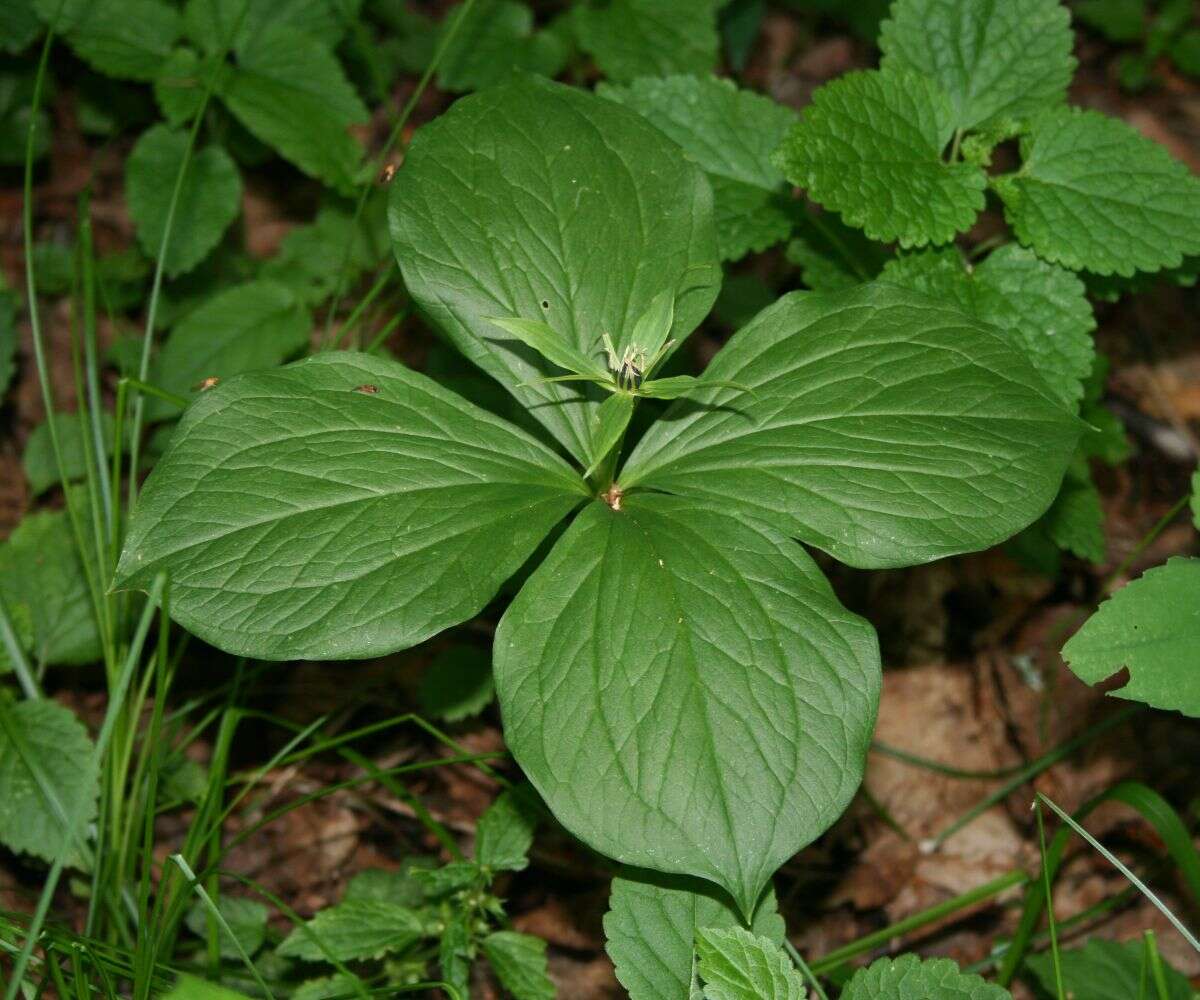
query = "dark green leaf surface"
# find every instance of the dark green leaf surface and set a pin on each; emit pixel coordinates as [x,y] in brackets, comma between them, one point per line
[211,24]
[343,506]
[496,39]
[883,427]
[537,201]
[519,961]
[651,928]
[1107,970]
[1152,627]
[354,929]
[209,201]
[19,25]
[1092,193]
[247,921]
[738,965]
[993,58]
[908,977]
[290,93]
[457,685]
[683,688]
[632,38]
[128,39]
[39,462]
[870,145]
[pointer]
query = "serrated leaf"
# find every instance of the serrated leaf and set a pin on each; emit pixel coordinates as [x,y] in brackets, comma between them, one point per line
[738,965]
[505,832]
[247,920]
[651,927]
[211,24]
[193,988]
[354,929]
[1041,307]
[290,92]
[339,507]
[40,568]
[1075,521]
[1152,627]
[457,685]
[209,200]
[127,39]
[660,632]
[1093,193]
[44,734]
[869,146]
[730,134]
[19,25]
[554,188]
[455,954]
[1106,970]
[519,961]
[339,986]
[259,324]
[632,38]
[876,424]
[496,38]
[400,887]
[449,878]
[39,462]
[908,976]
[992,58]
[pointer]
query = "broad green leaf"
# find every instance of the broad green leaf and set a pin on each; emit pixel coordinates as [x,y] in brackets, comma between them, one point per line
[541,201]
[738,965]
[450,878]
[336,987]
[247,919]
[61,15]
[179,85]
[1106,970]
[40,569]
[244,328]
[609,425]
[1075,521]
[651,927]
[39,462]
[993,58]
[505,832]
[193,988]
[1117,20]
[907,977]
[730,134]
[496,38]
[211,24]
[869,146]
[519,961]
[457,684]
[1092,193]
[832,256]
[647,646]
[353,929]
[1041,307]
[127,39]
[343,506]
[19,25]
[1152,627]
[876,424]
[209,201]
[44,735]
[290,92]
[551,345]
[632,38]
[21,619]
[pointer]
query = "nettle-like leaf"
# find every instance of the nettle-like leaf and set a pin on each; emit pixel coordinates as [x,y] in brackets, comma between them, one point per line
[1106,970]
[907,977]
[870,146]
[353,929]
[209,200]
[519,961]
[883,427]
[632,38]
[537,202]
[239,25]
[651,928]
[128,39]
[342,506]
[505,832]
[245,918]
[44,750]
[738,965]
[992,58]
[730,134]
[290,92]
[1041,307]
[1151,627]
[1092,193]
[496,38]
[256,325]
[681,684]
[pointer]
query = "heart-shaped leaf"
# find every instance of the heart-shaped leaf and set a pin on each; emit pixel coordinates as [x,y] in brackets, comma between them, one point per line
[685,691]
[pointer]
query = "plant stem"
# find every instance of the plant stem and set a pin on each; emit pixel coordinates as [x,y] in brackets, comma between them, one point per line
[804,969]
[1058,980]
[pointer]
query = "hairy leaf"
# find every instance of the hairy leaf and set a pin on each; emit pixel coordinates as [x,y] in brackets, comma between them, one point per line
[1092,193]
[209,200]
[683,688]
[993,58]
[343,506]
[908,976]
[651,928]
[354,929]
[632,38]
[537,201]
[869,146]
[738,965]
[519,961]
[879,425]
[1150,626]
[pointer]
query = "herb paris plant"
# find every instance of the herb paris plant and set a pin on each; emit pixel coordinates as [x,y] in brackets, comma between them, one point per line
[677,677]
